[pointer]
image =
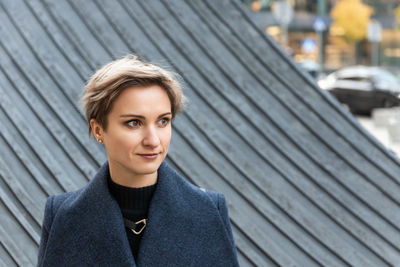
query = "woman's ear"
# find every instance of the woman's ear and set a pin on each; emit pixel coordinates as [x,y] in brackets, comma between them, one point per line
[97,130]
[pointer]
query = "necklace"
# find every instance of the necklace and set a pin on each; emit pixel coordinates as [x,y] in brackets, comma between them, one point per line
[134,225]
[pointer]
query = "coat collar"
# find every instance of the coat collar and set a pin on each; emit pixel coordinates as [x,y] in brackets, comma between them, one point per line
[184,225]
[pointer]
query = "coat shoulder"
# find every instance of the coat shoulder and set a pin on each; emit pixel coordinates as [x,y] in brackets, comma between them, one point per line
[214,196]
[53,204]
[194,190]
[60,199]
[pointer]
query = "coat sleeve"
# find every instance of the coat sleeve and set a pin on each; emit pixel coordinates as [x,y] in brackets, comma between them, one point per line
[223,210]
[220,202]
[47,221]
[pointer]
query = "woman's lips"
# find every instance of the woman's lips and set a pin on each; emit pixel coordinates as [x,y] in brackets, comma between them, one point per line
[149,156]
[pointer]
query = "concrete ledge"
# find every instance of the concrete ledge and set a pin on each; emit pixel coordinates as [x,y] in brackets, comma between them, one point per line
[382,116]
[394,130]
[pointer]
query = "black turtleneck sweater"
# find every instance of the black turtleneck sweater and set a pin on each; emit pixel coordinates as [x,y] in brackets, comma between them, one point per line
[134,204]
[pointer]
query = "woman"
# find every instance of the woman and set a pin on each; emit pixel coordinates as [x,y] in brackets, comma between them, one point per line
[136,211]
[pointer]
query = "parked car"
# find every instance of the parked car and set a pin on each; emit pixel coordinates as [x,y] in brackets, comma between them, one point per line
[363,88]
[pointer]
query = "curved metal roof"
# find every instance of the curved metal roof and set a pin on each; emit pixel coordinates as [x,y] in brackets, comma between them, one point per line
[305,184]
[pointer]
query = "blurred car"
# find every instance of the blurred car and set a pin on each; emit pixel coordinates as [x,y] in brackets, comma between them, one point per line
[363,88]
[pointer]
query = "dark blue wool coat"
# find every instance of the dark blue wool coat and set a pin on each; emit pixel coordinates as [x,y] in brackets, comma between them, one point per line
[186,226]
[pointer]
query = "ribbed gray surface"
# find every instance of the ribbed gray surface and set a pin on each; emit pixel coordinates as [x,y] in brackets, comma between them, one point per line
[304,183]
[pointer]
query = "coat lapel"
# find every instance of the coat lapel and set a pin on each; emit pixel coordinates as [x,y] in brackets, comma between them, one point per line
[184,226]
[92,224]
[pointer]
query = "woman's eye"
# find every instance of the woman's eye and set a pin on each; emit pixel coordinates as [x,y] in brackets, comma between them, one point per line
[164,122]
[133,123]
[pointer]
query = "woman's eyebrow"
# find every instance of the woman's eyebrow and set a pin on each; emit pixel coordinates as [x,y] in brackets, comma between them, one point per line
[132,115]
[142,117]
[164,114]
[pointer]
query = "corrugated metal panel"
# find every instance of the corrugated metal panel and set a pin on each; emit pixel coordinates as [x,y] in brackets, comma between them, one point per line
[305,184]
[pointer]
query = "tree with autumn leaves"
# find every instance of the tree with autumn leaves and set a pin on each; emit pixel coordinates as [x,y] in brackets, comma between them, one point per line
[352,17]
[397,15]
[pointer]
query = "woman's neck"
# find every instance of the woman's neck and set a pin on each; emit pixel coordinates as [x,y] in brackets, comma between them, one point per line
[129,179]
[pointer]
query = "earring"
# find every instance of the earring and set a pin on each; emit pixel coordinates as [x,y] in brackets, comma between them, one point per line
[100,141]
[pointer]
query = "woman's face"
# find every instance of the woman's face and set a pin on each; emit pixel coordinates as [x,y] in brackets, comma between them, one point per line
[138,135]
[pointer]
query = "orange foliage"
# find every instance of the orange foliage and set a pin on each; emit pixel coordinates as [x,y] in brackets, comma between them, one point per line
[397,13]
[352,16]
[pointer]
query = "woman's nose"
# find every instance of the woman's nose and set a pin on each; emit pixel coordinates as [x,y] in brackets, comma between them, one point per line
[151,137]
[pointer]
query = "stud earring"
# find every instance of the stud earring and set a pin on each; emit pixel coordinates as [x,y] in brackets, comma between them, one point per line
[100,141]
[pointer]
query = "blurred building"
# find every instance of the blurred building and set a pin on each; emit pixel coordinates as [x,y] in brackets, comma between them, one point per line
[303,41]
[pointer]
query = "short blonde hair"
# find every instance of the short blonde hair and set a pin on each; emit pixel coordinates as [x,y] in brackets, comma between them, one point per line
[108,82]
